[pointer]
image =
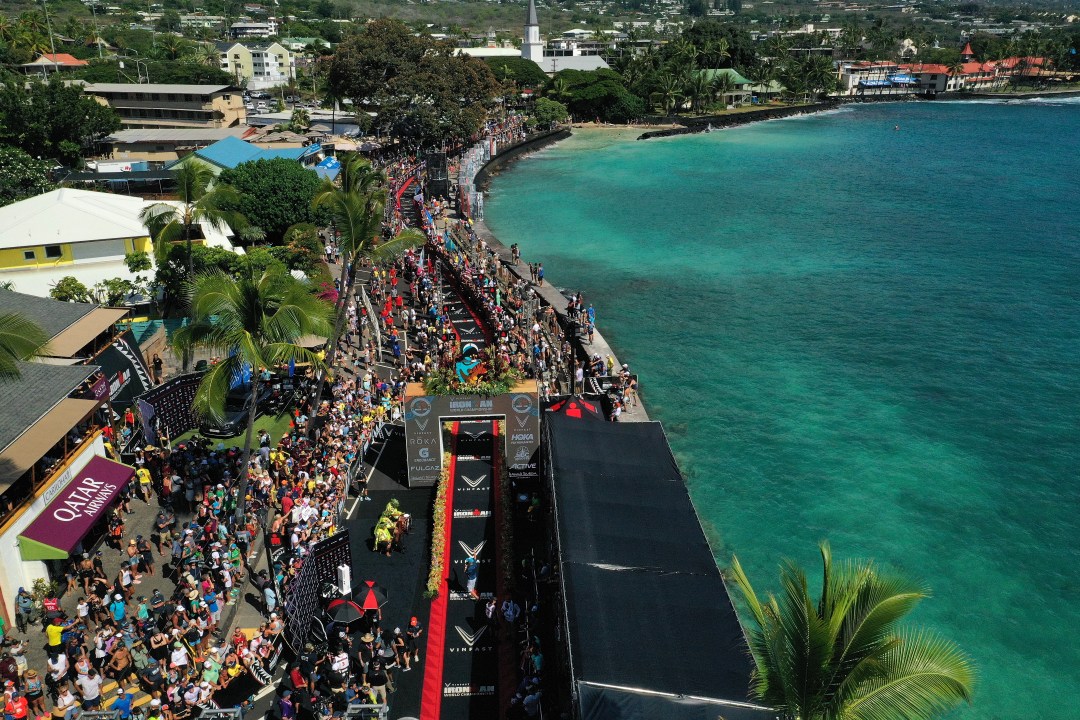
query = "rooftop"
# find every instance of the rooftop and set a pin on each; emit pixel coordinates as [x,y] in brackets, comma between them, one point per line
[52,315]
[63,59]
[39,390]
[161,89]
[175,135]
[232,151]
[70,216]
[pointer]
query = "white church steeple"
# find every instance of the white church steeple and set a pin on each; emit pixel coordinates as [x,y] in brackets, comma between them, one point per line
[532,48]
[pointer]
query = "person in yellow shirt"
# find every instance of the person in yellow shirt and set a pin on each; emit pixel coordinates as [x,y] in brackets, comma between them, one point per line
[55,635]
[145,491]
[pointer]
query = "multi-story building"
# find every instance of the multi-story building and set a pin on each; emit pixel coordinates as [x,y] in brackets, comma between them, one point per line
[172,106]
[247,29]
[261,65]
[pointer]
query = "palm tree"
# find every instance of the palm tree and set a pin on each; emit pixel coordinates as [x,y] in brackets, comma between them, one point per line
[356,208]
[716,52]
[668,93]
[253,321]
[199,203]
[20,339]
[697,88]
[559,89]
[846,655]
[764,73]
[721,85]
[171,47]
[205,54]
[7,28]
[300,120]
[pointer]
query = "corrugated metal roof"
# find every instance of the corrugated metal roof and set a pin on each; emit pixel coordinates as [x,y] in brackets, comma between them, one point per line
[68,215]
[179,135]
[162,89]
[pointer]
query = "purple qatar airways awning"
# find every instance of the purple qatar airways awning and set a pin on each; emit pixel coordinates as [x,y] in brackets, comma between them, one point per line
[70,515]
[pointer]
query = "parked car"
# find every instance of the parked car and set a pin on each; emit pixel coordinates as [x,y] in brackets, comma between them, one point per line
[237,404]
[293,99]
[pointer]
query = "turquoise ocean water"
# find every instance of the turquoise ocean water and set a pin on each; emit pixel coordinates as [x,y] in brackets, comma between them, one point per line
[857,333]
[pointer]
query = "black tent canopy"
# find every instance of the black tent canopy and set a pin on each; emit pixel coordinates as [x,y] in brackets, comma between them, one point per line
[651,629]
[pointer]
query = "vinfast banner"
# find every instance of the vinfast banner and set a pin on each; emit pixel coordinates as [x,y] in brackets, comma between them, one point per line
[70,515]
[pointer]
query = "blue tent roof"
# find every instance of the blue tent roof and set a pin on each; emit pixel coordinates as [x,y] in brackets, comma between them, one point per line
[328,168]
[231,151]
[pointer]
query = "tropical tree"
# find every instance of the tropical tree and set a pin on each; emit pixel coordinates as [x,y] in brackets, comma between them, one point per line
[253,320]
[300,120]
[668,93]
[356,209]
[199,203]
[205,54]
[720,85]
[846,655]
[20,339]
[697,89]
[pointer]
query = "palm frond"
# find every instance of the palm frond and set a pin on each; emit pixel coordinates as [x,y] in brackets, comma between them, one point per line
[214,387]
[20,339]
[922,676]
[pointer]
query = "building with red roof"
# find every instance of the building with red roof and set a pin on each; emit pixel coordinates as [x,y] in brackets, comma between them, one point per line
[53,62]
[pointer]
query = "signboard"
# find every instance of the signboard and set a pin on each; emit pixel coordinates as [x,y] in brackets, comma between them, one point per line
[123,365]
[320,566]
[424,415]
[168,407]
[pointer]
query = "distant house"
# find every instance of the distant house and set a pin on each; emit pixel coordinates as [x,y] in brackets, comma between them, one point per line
[165,145]
[230,152]
[73,232]
[172,106]
[240,30]
[741,88]
[261,65]
[53,62]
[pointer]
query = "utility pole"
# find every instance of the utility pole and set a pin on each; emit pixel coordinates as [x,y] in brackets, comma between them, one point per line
[97,34]
[48,24]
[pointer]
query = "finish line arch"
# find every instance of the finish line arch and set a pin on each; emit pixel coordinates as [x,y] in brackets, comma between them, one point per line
[425,414]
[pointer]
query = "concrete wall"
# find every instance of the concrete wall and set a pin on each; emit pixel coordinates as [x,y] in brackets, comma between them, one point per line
[529,144]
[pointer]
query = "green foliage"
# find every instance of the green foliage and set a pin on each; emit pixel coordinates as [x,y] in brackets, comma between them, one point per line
[524,73]
[69,289]
[137,262]
[20,339]
[423,90]
[252,320]
[596,94]
[21,176]
[188,70]
[847,653]
[547,111]
[274,194]
[500,378]
[52,119]
[114,291]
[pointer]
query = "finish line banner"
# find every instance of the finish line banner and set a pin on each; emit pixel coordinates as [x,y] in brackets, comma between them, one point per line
[425,414]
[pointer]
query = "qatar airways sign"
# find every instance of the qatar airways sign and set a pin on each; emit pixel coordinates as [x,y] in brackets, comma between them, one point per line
[75,508]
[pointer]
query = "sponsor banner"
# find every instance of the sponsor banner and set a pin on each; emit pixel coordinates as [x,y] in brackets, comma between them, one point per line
[425,414]
[123,366]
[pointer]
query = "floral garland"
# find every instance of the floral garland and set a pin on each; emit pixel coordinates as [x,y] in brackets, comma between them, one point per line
[506,530]
[439,527]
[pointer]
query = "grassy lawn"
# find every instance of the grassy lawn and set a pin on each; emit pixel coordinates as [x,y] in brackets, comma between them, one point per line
[276,425]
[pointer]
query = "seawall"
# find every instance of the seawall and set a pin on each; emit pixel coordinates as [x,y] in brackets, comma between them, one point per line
[719,122]
[512,152]
[548,294]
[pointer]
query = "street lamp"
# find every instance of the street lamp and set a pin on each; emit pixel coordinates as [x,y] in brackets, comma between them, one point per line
[140,65]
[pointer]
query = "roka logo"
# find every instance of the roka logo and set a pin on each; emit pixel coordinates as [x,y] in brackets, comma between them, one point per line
[470,638]
[473,483]
[472,551]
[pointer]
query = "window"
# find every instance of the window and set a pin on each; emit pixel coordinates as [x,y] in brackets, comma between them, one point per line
[53,251]
[29,255]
